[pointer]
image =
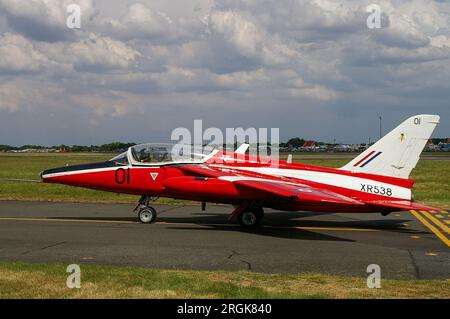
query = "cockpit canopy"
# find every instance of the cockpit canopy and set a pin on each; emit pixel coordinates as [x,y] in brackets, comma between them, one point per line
[120,159]
[160,154]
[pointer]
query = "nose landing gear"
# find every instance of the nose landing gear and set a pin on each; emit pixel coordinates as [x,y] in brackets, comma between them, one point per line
[146,213]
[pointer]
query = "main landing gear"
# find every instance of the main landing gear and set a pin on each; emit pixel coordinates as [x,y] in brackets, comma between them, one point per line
[146,213]
[248,215]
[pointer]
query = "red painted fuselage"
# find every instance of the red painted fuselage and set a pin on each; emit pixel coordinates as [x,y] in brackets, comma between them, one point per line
[231,178]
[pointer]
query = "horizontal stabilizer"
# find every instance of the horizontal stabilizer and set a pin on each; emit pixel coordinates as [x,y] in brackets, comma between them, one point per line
[242,149]
[401,205]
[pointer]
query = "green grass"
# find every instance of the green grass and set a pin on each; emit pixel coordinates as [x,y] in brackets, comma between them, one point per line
[26,280]
[29,165]
[432,178]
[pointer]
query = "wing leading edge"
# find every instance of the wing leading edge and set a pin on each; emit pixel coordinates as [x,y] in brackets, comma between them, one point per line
[295,191]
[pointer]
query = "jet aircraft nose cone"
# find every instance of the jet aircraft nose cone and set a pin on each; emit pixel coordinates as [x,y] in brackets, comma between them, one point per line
[73,168]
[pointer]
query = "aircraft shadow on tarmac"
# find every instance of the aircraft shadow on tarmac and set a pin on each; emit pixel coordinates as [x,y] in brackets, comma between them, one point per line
[277,224]
[292,233]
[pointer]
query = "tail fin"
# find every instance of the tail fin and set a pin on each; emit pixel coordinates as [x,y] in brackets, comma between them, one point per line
[398,152]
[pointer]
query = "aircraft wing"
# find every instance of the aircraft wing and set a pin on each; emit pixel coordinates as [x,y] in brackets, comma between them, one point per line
[288,189]
[313,194]
[269,188]
[296,191]
[400,204]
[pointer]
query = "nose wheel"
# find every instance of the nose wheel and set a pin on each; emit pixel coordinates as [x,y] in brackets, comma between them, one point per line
[147,215]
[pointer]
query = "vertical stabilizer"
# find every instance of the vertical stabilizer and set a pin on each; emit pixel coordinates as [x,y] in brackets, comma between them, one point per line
[398,152]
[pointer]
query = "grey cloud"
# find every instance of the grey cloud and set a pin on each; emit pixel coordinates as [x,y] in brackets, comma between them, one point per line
[43,20]
[154,66]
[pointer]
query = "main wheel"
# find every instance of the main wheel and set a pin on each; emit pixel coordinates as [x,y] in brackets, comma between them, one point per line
[250,218]
[147,215]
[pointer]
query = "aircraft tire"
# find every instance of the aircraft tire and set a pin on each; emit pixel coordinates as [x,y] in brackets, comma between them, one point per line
[147,215]
[249,219]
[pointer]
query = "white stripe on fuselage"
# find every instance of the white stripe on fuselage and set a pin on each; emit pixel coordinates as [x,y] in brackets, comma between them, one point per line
[84,171]
[344,181]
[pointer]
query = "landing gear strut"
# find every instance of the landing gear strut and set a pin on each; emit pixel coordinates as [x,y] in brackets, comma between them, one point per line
[146,213]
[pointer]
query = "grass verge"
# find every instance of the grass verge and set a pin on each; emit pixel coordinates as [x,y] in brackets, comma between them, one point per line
[26,280]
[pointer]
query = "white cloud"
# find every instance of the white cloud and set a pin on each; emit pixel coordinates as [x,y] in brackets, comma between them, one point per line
[109,104]
[25,95]
[17,54]
[101,52]
[141,56]
[248,37]
[92,54]
[142,22]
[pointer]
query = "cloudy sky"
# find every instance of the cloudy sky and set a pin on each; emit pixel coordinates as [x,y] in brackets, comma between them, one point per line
[137,70]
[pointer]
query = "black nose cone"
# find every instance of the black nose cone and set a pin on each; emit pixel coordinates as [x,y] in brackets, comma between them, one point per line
[80,167]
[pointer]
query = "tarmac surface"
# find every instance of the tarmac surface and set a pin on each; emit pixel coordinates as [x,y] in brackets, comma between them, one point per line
[405,245]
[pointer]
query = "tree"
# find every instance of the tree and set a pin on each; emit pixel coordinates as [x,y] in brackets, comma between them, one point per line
[296,142]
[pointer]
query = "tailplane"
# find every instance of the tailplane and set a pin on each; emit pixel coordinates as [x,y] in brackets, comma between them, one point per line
[398,152]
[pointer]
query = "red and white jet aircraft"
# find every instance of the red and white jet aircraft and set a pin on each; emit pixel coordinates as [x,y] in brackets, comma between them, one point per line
[375,181]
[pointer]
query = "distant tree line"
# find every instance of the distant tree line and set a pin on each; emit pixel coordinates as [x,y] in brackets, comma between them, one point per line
[294,142]
[111,147]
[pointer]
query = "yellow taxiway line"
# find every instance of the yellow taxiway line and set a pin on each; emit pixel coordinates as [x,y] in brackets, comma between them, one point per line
[435,230]
[181,224]
[327,228]
[436,221]
[65,220]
